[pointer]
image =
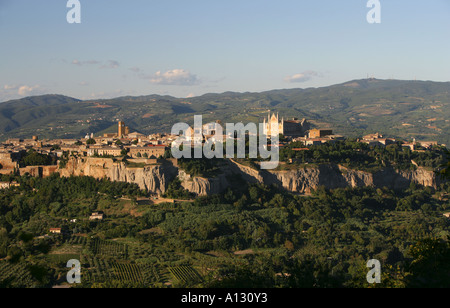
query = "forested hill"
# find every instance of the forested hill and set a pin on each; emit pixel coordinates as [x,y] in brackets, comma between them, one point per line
[395,108]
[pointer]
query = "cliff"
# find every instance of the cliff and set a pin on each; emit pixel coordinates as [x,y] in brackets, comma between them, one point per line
[155,178]
[303,180]
[204,186]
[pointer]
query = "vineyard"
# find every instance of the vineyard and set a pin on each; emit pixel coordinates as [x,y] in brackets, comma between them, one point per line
[71,248]
[62,258]
[76,240]
[104,248]
[97,270]
[15,275]
[128,272]
[185,274]
[106,262]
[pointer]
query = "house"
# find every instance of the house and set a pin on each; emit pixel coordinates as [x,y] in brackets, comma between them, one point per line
[428,144]
[5,185]
[135,135]
[372,137]
[300,149]
[70,149]
[55,230]
[319,133]
[314,141]
[97,216]
[410,145]
[212,128]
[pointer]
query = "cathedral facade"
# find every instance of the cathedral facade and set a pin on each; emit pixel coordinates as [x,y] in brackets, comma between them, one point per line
[289,128]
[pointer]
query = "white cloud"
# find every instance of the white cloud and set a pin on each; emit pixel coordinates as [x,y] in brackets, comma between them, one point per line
[108,64]
[27,90]
[302,77]
[177,77]
[8,92]
[111,64]
[9,87]
[88,62]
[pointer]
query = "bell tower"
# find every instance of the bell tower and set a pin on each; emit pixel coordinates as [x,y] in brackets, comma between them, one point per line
[121,129]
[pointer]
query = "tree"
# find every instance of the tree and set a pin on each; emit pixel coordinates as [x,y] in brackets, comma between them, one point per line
[4,242]
[33,158]
[445,172]
[90,141]
[289,245]
[430,267]
[254,193]
[14,254]
[167,154]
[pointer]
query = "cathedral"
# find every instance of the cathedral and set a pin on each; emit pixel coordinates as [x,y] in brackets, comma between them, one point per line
[289,128]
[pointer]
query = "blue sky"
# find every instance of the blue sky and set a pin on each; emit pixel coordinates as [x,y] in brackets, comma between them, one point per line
[191,47]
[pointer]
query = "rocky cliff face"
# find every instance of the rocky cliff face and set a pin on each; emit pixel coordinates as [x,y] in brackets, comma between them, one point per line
[304,180]
[155,178]
[334,176]
[204,186]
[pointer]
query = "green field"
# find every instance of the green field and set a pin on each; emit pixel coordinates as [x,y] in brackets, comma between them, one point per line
[252,236]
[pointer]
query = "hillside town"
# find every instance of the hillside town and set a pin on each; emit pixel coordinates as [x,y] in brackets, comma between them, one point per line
[149,148]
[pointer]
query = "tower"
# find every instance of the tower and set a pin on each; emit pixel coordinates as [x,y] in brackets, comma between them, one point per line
[121,129]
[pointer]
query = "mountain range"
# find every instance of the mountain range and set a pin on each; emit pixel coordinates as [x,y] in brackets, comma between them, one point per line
[395,108]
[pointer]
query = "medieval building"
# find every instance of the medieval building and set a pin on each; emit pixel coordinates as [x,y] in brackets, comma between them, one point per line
[289,128]
[123,130]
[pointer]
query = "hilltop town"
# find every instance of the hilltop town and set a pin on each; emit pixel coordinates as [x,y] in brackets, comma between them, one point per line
[140,148]
[122,200]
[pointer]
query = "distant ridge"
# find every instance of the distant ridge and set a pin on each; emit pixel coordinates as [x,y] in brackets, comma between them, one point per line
[398,108]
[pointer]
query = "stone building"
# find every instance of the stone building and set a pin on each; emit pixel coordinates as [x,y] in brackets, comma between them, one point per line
[319,133]
[289,128]
[149,151]
[107,151]
[123,130]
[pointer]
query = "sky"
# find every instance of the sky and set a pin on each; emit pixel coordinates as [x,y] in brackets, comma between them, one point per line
[187,48]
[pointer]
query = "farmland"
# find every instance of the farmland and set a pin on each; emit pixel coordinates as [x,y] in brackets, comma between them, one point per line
[185,274]
[16,275]
[258,236]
